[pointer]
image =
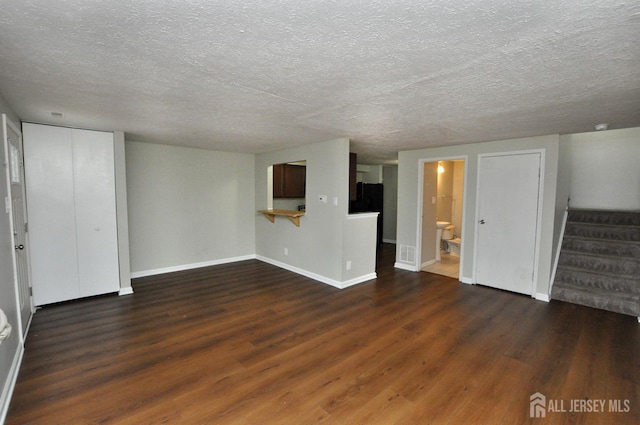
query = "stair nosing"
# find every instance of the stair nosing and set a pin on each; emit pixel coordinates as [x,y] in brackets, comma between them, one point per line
[564,284]
[598,255]
[601,273]
[587,223]
[623,241]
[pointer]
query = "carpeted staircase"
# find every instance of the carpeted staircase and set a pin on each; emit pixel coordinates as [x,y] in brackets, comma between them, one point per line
[599,264]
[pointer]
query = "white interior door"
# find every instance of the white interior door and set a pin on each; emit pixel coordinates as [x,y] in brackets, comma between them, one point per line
[52,217]
[508,202]
[13,144]
[95,208]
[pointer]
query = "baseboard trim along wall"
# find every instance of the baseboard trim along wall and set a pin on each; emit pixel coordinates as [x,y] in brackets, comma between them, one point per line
[182,267]
[403,266]
[10,383]
[314,276]
[542,297]
[319,278]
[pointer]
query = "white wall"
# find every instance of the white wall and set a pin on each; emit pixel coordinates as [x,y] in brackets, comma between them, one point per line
[11,348]
[317,248]
[188,207]
[369,173]
[604,169]
[408,195]
[390,203]
[429,188]
[458,196]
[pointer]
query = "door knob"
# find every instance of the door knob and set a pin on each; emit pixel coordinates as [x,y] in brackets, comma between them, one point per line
[481,221]
[20,247]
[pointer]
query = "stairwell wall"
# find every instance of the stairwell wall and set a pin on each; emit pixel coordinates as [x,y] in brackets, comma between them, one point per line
[603,168]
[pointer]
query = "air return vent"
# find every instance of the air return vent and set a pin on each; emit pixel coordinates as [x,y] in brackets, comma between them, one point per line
[408,254]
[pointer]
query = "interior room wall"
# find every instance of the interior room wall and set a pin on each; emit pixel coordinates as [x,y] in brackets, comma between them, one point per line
[458,196]
[445,191]
[409,184]
[311,248]
[197,205]
[390,203]
[369,173]
[429,187]
[604,169]
[325,240]
[10,349]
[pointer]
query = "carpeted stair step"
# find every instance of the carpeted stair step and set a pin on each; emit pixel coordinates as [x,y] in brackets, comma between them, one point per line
[603,231]
[628,218]
[602,246]
[599,298]
[598,263]
[605,281]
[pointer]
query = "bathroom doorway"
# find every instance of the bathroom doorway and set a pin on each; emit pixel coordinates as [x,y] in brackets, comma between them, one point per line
[442,216]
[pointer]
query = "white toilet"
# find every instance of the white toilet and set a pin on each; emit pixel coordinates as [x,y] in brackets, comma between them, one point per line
[450,243]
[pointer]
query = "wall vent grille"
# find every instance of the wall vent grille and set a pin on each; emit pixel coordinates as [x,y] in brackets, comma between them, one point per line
[408,254]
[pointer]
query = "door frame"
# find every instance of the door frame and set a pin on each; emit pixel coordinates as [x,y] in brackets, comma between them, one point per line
[536,252]
[418,251]
[23,327]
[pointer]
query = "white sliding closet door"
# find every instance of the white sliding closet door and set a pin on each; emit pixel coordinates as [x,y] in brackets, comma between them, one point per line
[51,213]
[71,210]
[95,207]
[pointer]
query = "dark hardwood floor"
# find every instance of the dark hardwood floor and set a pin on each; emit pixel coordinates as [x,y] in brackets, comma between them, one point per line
[248,343]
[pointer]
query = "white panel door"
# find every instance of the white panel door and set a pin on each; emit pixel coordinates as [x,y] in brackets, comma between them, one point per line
[95,207]
[508,193]
[14,153]
[51,212]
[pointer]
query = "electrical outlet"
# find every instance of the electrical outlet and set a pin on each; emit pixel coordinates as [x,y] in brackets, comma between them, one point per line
[349,265]
[286,251]
[335,201]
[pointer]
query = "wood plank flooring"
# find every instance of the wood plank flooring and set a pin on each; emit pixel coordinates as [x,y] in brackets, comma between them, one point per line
[248,343]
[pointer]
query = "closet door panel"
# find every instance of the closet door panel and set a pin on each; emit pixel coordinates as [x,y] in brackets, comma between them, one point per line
[51,213]
[95,204]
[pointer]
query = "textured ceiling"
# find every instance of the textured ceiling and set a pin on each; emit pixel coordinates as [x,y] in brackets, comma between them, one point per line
[259,75]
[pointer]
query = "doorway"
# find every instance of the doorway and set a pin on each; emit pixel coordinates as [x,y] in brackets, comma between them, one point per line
[441,224]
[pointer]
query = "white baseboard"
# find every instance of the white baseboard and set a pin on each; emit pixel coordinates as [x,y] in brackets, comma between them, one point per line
[315,276]
[393,241]
[405,266]
[182,267]
[10,383]
[427,263]
[466,280]
[125,291]
[359,279]
[542,297]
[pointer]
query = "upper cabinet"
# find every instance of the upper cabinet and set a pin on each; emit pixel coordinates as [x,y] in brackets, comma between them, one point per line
[289,180]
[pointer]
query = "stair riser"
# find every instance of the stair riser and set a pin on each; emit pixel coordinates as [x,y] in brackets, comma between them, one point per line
[604,217]
[592,280]
[630,307]
[610,248]
[625,266]
[616,233]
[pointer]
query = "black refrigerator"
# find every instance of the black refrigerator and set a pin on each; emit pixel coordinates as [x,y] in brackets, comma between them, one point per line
[369,198]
